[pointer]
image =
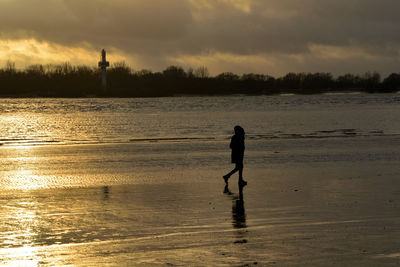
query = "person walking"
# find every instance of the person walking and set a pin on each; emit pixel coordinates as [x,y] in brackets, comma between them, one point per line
[237,147]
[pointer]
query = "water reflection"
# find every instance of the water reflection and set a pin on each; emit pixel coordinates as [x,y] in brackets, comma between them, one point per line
[47,227]
[238,214]
[106,192]
[21,168]
[21,232]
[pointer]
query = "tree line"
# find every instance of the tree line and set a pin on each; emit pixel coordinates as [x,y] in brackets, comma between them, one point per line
[66,80]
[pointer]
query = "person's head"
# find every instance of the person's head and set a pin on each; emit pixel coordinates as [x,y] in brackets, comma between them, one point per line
[239,130]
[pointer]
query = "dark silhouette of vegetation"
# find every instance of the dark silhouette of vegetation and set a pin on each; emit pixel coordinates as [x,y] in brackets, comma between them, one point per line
[66,80]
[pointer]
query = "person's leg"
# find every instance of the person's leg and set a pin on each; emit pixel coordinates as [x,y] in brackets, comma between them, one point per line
[227,176]
[232,172]
[241,181]
[239,166]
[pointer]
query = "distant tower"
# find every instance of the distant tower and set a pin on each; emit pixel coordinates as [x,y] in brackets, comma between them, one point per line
[103,64]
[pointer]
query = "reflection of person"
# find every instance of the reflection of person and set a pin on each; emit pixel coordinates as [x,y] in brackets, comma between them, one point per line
[106,191]
[238,214]
[237,146]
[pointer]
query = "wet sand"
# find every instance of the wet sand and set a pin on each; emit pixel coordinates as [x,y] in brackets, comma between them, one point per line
[304,212]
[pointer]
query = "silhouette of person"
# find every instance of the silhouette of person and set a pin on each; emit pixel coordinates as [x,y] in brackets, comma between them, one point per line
[237,146]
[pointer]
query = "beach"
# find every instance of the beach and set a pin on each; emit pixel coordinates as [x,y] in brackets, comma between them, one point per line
[331,212]
[322,196]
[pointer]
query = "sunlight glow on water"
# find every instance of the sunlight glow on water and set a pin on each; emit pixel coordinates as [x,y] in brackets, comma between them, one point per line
[85,121]
[19,173]
[24,219]
[128,181]
[155,134]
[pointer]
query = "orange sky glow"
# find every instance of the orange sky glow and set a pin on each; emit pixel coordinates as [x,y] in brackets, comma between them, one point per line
[241,36]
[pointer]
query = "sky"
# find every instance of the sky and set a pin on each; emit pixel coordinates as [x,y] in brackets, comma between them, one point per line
[273,37]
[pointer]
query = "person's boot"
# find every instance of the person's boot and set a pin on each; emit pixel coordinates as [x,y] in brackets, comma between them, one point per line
[242,182]
[226,177]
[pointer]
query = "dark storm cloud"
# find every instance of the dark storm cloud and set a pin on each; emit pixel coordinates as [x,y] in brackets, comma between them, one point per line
[128,25]
[160,29]
[290,26]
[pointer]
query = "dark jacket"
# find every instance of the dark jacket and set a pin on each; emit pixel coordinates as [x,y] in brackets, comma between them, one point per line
[237,146]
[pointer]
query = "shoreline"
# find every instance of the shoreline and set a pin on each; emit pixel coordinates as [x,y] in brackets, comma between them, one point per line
[289,93]
[185,140]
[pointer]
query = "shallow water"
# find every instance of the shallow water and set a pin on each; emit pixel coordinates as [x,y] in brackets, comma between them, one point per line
[83,121]
[113,182]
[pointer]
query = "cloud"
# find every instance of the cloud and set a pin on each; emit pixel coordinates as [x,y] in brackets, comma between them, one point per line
[290,26]
[27,52]
[275,36]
